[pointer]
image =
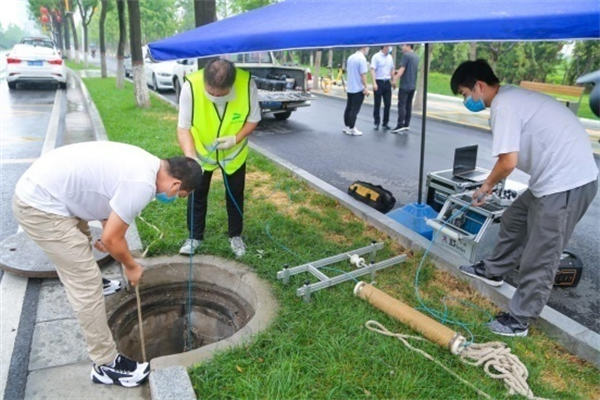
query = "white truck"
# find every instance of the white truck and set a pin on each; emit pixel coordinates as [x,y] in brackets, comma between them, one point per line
[281,90]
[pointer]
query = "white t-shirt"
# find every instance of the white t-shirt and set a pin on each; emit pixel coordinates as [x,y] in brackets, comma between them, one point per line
[185,106]
[89,180]
[554,148]
[356,66]
[383,64]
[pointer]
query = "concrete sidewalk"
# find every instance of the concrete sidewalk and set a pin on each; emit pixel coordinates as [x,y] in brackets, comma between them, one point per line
[451,110]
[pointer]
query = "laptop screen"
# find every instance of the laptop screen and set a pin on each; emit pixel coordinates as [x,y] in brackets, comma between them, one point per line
[465,159]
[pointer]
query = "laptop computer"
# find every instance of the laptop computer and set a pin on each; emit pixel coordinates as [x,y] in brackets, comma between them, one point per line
[465,165]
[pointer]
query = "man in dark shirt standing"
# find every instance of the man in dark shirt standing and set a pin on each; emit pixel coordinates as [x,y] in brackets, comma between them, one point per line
[407,73]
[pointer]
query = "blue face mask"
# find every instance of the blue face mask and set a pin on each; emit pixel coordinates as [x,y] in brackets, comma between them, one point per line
[474,105]
[163,198]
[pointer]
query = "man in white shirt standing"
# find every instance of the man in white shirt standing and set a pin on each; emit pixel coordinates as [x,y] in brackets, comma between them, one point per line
[104,181]
[357,89]
[540,136]
[382,69]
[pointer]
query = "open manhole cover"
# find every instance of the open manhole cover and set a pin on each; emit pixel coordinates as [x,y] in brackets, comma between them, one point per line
[228,304]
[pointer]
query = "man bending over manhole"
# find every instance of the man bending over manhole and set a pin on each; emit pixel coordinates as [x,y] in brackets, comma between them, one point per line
[110,182]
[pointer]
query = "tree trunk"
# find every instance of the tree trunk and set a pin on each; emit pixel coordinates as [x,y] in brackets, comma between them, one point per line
[142,97]
[121,45]
[86,47]
[103,72]
[330,58]
[418,104]
[205,12]
[67,52]
[473,51]
[75,38]
[317,73]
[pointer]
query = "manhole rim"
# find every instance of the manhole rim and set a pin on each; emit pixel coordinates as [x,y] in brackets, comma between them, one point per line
[158,270]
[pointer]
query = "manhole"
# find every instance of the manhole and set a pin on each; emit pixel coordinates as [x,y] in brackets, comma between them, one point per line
[228,303]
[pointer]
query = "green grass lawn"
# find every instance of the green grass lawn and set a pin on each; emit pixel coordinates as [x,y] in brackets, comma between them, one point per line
[321,349]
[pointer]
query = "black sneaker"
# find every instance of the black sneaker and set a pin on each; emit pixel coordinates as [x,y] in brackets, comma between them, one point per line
[397,129]
[109,287]
[478,271]
[386,127]
[507,325]
[122,372]
[376,127]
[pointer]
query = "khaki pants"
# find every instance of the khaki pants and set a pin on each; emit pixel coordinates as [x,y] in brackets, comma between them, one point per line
[66,242]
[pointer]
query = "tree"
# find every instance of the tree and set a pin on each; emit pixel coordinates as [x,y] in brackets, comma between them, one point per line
[103,12]
[71,16]
[11,36]
[159,19]
[241,6]
[142,97]
[583,60]
[205,12]
[87,8]
[53,11]
[420,93]
[122,44]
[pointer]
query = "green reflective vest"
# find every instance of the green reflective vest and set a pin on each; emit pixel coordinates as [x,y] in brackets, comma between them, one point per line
[207,125]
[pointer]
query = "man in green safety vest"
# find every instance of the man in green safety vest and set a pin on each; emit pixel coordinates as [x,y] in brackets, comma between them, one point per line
[218,109]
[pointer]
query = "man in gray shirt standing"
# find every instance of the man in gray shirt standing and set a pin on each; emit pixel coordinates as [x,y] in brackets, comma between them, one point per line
[407,73]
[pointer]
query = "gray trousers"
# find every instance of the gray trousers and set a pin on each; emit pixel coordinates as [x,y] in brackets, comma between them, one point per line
[533,234]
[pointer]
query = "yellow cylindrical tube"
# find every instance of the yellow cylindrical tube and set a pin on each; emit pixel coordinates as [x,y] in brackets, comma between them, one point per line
[419,322]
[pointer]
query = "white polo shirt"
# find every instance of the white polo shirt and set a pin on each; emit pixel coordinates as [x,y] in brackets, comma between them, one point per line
[383,65]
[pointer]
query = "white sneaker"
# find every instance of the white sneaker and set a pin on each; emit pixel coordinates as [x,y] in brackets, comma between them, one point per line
[123,372]
[109,287]
[190,246]
[355,132]
[406,128]
[346,130]
[237,246]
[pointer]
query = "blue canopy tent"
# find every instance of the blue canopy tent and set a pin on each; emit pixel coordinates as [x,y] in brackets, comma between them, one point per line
[305,24]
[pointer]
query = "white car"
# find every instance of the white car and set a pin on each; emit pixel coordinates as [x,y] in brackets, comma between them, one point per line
[159,75]
[35,64]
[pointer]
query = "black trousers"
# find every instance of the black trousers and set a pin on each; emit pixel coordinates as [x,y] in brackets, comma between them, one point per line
[384,91]
[405,98]
[198,202]
[353,105]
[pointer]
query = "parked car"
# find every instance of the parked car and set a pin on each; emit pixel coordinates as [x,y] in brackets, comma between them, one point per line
[127,66]
[158,75]
[281,90]
[35,64]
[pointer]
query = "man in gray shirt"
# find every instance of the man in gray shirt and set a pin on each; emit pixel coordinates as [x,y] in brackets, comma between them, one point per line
[407,73]
[540,136]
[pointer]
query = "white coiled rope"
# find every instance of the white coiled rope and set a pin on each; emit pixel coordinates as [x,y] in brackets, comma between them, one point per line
[496,358]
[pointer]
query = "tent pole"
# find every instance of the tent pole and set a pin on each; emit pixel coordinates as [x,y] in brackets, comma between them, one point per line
[424,119]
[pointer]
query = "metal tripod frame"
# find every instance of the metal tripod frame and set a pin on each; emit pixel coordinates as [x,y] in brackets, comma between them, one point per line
[325,281]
